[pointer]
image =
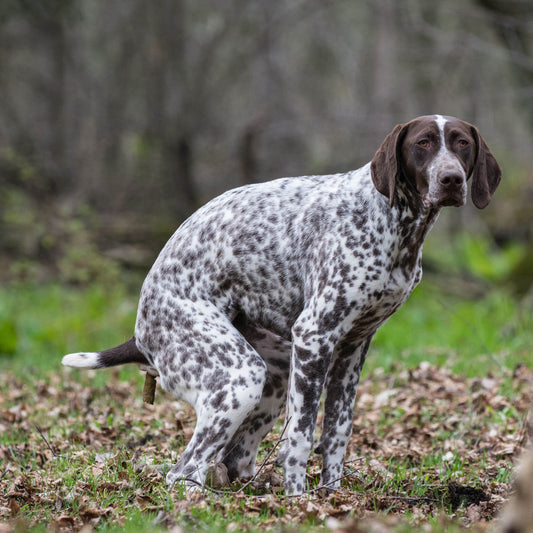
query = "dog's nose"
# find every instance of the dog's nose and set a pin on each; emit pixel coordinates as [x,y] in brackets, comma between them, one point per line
[451,179]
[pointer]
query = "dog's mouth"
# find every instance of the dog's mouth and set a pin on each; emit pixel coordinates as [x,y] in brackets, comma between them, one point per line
[448,200]
[454,201]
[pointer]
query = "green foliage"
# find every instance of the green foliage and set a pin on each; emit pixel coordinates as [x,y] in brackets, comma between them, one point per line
[45,236]
[52,320]
[52,239]
[80,260]
[520,278]
[8,337]
[484,260]
[467,336]
[476,256]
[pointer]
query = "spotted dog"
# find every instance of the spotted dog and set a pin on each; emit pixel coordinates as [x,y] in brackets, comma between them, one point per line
[269,295]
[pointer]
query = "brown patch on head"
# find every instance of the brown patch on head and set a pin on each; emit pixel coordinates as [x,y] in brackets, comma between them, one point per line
[459,140]
[420,147]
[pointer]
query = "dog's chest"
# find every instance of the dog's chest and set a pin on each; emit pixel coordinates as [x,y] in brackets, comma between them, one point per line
[380,294]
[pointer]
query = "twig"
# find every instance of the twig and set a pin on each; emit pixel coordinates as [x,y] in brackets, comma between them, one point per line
[250,481]
[356,460]
[263,464]
[349,474]
[46,441]
[413,498]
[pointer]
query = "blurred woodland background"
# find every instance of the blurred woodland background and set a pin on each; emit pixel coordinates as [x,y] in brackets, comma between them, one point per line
[118,119]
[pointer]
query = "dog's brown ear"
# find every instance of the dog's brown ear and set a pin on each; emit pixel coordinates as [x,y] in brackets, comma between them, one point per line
[486,175]
[385,165]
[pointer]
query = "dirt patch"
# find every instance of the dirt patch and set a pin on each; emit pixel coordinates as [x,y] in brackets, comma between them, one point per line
[463,495]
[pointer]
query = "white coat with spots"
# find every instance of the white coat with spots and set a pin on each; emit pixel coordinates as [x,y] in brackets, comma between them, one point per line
[269,295]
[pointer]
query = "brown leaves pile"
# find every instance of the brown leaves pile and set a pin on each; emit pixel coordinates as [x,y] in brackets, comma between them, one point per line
[77,455]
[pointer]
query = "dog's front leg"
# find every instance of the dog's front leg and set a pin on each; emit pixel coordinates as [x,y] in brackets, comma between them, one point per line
[340,390]
[311,354]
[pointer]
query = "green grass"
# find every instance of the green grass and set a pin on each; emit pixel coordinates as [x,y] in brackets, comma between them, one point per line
[49,321]
[469,337]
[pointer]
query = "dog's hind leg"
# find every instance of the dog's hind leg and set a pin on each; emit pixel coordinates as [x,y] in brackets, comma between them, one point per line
[203,359]
[240,454]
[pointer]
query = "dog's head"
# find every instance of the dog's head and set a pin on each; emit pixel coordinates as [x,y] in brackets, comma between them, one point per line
[435,155]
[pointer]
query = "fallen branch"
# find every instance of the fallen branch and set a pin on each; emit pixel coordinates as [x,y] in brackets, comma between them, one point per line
[349,474]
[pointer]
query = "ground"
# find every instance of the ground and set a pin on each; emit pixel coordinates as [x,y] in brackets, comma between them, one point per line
[429,449]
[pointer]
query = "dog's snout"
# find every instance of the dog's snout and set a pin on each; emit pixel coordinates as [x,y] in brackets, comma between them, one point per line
[447,187]
[451,179]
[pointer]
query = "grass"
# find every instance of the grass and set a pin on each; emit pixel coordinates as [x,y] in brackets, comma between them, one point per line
[51,320]
[79,442]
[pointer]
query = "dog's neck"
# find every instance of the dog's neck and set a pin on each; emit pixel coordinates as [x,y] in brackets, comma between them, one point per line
[414,223]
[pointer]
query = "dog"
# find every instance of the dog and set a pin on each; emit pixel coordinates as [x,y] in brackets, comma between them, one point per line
[269,295]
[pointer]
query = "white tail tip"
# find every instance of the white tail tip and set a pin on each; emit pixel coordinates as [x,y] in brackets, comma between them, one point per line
[81,360]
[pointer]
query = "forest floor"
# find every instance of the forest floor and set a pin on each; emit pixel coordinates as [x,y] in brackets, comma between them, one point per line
[433,447]
[428,447]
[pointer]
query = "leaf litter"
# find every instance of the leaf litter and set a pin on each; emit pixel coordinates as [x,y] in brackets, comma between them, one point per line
[426,444]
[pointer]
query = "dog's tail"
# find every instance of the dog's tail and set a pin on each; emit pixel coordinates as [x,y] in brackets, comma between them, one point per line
[119,355]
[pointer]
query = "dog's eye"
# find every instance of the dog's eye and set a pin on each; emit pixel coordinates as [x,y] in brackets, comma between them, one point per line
[423,143]
[462,143]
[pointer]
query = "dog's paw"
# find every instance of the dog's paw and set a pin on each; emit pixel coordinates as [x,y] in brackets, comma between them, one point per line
[191,479]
